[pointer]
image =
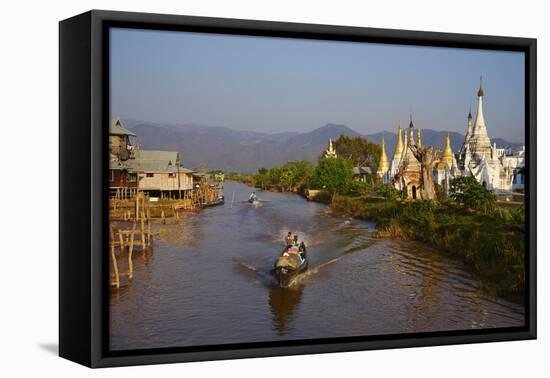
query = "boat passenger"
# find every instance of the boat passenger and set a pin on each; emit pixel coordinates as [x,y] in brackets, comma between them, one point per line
[296,240]
[293,250]
[252,197]
[289,240]
[302,251]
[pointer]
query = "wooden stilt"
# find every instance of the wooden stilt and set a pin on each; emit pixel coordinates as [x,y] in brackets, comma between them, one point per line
[130,252]
[115,266]
[137,208]
[149,232]
[142,233]
[121,241]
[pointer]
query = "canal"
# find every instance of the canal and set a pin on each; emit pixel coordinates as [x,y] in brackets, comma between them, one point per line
[208,281]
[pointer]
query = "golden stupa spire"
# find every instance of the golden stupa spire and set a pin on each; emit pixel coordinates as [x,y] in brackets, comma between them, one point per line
[383,164]
[418,137]
[399,146]
[330,152]
[447,156]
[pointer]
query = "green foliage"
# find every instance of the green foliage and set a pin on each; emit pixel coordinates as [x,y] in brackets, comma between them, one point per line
[274,176]
[241,177]
[468,192]
[358,150]
[360,188]
[292,175]
[288,177]
[262,178]
[388,192]
[440,194]
[334,175]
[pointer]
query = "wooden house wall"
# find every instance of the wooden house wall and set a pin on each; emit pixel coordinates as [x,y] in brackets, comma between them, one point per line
[121,179]
[163,181]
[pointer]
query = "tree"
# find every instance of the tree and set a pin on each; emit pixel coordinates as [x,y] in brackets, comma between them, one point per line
[466,191]
[274,176]
[335,175]
[262,178]
[288,177]
[358,150]
[303,172]
[427,157]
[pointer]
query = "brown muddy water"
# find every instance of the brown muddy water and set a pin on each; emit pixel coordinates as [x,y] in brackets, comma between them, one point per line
[208,281]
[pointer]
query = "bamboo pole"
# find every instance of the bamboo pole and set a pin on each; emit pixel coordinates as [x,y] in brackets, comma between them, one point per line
[115,266]
[142,233]
[137,208]
[121,240]
[130,263]
[149,232]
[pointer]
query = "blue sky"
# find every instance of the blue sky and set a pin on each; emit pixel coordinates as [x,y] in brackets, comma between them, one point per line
[278,84]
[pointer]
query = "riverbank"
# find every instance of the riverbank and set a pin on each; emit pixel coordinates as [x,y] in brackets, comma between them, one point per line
[492,244]
[247,179]
[250,180]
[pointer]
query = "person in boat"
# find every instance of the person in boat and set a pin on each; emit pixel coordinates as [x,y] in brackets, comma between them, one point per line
[292,247]
[302,251]
[252,197]
[289,240]
[299,248]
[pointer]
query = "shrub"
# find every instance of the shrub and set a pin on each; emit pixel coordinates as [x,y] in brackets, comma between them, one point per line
[468,192]
[388,192]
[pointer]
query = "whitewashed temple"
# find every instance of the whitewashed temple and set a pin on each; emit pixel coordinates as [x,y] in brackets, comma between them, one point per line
[498,169]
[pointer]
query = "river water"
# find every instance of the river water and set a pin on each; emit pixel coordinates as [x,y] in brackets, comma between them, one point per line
[207,281]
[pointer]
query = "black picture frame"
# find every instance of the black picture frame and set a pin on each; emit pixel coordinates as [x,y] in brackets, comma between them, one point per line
[83,167]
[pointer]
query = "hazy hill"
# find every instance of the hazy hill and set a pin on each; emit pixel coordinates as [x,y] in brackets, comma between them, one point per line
[246,151]
[432,138]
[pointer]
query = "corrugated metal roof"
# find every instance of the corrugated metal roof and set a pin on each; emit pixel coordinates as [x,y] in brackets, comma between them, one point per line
[169,157]
[362,171]
[158,161]
[116,128]
[120,165]
[151,161]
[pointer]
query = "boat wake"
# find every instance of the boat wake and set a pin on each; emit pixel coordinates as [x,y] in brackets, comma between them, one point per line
[262,275]
[259,276]
[315,270]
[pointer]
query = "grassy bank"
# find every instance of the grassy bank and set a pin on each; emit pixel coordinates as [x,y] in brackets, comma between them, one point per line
[492,244]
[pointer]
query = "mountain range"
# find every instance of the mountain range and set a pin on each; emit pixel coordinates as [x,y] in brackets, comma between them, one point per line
[245,151]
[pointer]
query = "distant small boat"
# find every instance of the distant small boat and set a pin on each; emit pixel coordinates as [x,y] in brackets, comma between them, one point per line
[289,265]
[218,201]
[253,199]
